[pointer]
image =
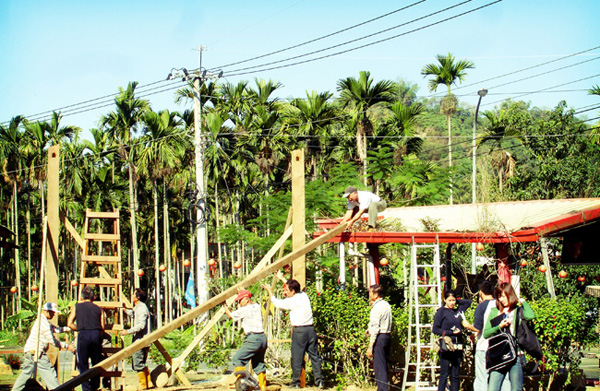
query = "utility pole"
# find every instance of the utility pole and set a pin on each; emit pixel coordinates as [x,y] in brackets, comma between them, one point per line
[198,77]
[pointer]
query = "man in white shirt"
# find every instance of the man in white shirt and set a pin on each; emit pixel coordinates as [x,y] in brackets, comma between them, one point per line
[360,202]
[255,344]
[304,336]
[380,328]
[40,338]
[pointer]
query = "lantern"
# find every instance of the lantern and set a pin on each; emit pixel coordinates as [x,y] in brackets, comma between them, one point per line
[383,262]
[187,263]
[581,279]
[74,283]
[479,246]
[35,288]
[237,265]
[562,274]
[443,278]
[523,263]
[140,272]
[212,262]
[13,289]
[162,268]
[542,268]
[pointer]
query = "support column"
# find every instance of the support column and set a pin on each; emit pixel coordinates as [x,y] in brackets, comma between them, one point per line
[374,260]
[549,282]
[53,225]
[298,216]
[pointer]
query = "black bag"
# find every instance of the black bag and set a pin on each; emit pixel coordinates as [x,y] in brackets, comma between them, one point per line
[526,337]
[501,352]
[444,344]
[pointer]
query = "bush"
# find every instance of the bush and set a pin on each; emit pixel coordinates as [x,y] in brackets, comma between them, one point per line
[341,320]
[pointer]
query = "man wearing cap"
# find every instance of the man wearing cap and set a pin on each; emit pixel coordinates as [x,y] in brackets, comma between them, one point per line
[41,336]
[141,327]
[255,344]
[304,336]
[360,202]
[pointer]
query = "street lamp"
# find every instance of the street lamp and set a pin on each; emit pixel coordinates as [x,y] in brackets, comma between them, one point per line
[482,92]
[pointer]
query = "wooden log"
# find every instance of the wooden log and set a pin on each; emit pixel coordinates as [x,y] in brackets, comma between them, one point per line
[202,308]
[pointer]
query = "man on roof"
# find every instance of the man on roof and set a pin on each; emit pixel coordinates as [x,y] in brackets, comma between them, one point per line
[360,202]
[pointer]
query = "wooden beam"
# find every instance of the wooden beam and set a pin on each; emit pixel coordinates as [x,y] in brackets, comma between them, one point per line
[299,265]
[217,316]
[53,225]
[72,230]
[169,360]
[194,313]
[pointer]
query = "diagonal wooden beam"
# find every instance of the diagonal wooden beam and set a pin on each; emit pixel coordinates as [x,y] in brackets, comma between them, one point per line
[72,230]
[191,315]
[217,316]
[169,360]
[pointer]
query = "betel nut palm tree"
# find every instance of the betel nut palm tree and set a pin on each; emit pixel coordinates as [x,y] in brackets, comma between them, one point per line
[121,124]
[360,95]
[447,71]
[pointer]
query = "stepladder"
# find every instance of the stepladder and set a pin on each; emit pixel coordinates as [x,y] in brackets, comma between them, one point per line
[101,269]
[425,297]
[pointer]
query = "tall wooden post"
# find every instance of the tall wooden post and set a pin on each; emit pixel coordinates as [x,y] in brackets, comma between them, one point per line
[298,226]
[53,225]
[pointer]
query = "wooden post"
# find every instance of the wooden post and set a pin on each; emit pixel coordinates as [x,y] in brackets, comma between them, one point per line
[549,282]
[299,265]
[53,225]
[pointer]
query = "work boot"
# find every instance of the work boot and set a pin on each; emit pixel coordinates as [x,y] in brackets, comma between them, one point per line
[143,381]
[262,381]
[148,377]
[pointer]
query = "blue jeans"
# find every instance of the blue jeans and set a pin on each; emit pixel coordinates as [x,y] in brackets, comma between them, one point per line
[515,373]
[481,374]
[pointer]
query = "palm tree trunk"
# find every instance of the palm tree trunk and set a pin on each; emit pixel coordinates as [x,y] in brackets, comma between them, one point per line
[16,231]
[134,247]
[167,256]
[449,120]
[156,257]
[217,221]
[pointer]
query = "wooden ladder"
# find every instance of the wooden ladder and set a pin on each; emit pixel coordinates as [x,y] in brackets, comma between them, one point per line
[101,268]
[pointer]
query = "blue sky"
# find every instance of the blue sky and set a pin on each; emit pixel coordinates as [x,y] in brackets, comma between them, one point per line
[65,53]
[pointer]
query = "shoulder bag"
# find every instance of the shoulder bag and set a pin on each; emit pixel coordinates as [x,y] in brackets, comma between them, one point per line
[526,337]
[501,352]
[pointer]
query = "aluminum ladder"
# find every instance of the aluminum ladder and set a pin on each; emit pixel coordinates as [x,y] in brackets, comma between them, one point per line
[425,297]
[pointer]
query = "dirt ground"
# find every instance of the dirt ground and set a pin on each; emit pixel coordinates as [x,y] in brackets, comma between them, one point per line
[211,382]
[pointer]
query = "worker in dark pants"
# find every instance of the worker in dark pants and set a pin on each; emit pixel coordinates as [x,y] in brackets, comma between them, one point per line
[255,344]
[88,320]
[380,327]
[304,336]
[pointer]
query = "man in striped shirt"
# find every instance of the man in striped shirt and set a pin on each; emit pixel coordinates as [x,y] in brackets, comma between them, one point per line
[40,338]
[380,327]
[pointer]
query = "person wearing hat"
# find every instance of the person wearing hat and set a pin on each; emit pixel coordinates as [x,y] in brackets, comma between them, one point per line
[255,344]
[304,336]
[360,202]
[141,327]
[40,338]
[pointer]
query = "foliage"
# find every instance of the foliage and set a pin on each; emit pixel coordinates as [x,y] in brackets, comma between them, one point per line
[341,319]
[175,342]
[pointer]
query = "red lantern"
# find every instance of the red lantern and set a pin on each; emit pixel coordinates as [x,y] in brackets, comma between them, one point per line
[237,265]
[562,274]
[162,268]
[35,288]
[542,268]
[74,283]
[479,246]
[13,289]
[383,262]
[140,272]
[443,278]
[581,279]
[187,263]
[523,263]
[212,262]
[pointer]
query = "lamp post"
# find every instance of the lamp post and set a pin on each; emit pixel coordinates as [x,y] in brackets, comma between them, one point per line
[482,92]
